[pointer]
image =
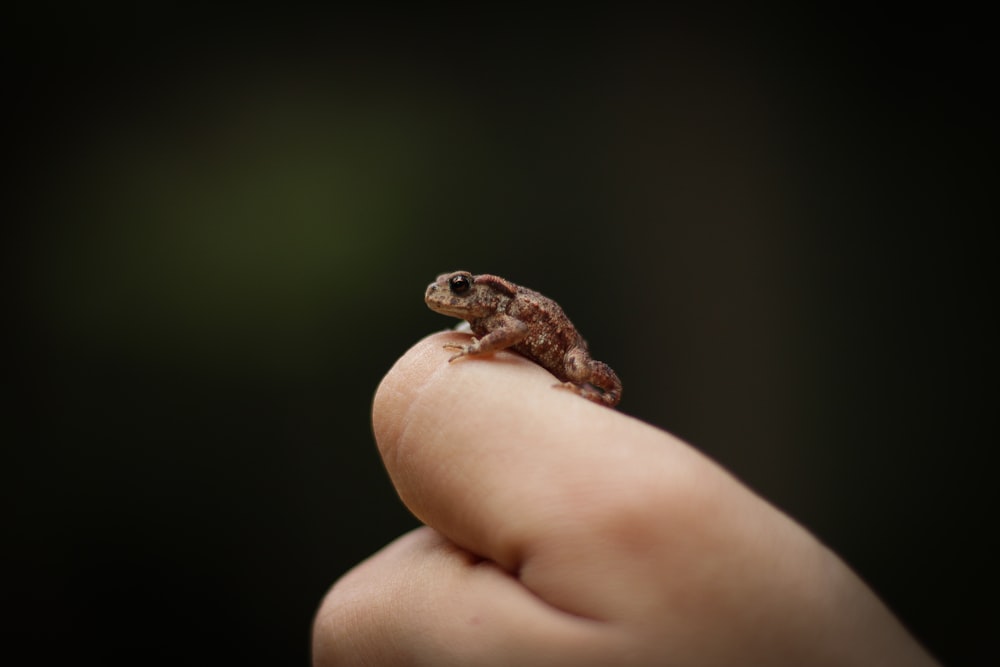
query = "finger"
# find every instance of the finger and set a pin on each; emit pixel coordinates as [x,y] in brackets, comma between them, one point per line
[489,454]
[422,600]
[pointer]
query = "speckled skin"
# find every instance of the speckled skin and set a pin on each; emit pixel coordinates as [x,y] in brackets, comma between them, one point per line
[504,315]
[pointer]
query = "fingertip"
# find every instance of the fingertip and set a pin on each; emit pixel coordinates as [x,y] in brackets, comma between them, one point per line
[430,417]
[427,377]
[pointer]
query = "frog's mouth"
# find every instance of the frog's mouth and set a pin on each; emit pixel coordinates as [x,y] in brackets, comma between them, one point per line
[445,305]
[440,299]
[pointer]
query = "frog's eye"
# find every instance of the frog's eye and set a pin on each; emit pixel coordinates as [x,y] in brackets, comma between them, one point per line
[459,284]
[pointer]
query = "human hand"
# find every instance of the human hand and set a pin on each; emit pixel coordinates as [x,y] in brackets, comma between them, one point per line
[562,532]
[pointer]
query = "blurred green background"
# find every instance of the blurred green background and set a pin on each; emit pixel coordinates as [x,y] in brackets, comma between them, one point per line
[220,228]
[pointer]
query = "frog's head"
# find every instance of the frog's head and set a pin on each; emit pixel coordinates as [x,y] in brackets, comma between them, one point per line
[463,295]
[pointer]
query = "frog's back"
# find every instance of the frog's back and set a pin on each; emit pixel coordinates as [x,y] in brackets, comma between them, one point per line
[550,332]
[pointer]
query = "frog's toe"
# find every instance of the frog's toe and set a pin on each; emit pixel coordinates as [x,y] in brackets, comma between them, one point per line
[590,392]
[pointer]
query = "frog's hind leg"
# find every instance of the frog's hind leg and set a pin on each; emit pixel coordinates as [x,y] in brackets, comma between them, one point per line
[594,380]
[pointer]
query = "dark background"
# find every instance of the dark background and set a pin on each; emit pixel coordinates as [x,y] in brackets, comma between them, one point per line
[221,226]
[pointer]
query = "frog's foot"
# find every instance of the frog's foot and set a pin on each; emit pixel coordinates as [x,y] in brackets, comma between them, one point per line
[463,350]
[591,393]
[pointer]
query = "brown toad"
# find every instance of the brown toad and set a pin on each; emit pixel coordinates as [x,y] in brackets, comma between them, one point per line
[504,315]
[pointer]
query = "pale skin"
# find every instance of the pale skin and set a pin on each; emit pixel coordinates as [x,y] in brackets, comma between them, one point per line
[559,532]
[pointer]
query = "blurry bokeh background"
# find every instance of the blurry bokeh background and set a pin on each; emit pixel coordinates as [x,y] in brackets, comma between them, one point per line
[219,229]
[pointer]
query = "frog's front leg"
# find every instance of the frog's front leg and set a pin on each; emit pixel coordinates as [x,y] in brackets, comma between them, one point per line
[504,332]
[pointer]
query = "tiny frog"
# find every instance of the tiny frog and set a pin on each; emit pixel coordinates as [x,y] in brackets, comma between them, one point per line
[504,315]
